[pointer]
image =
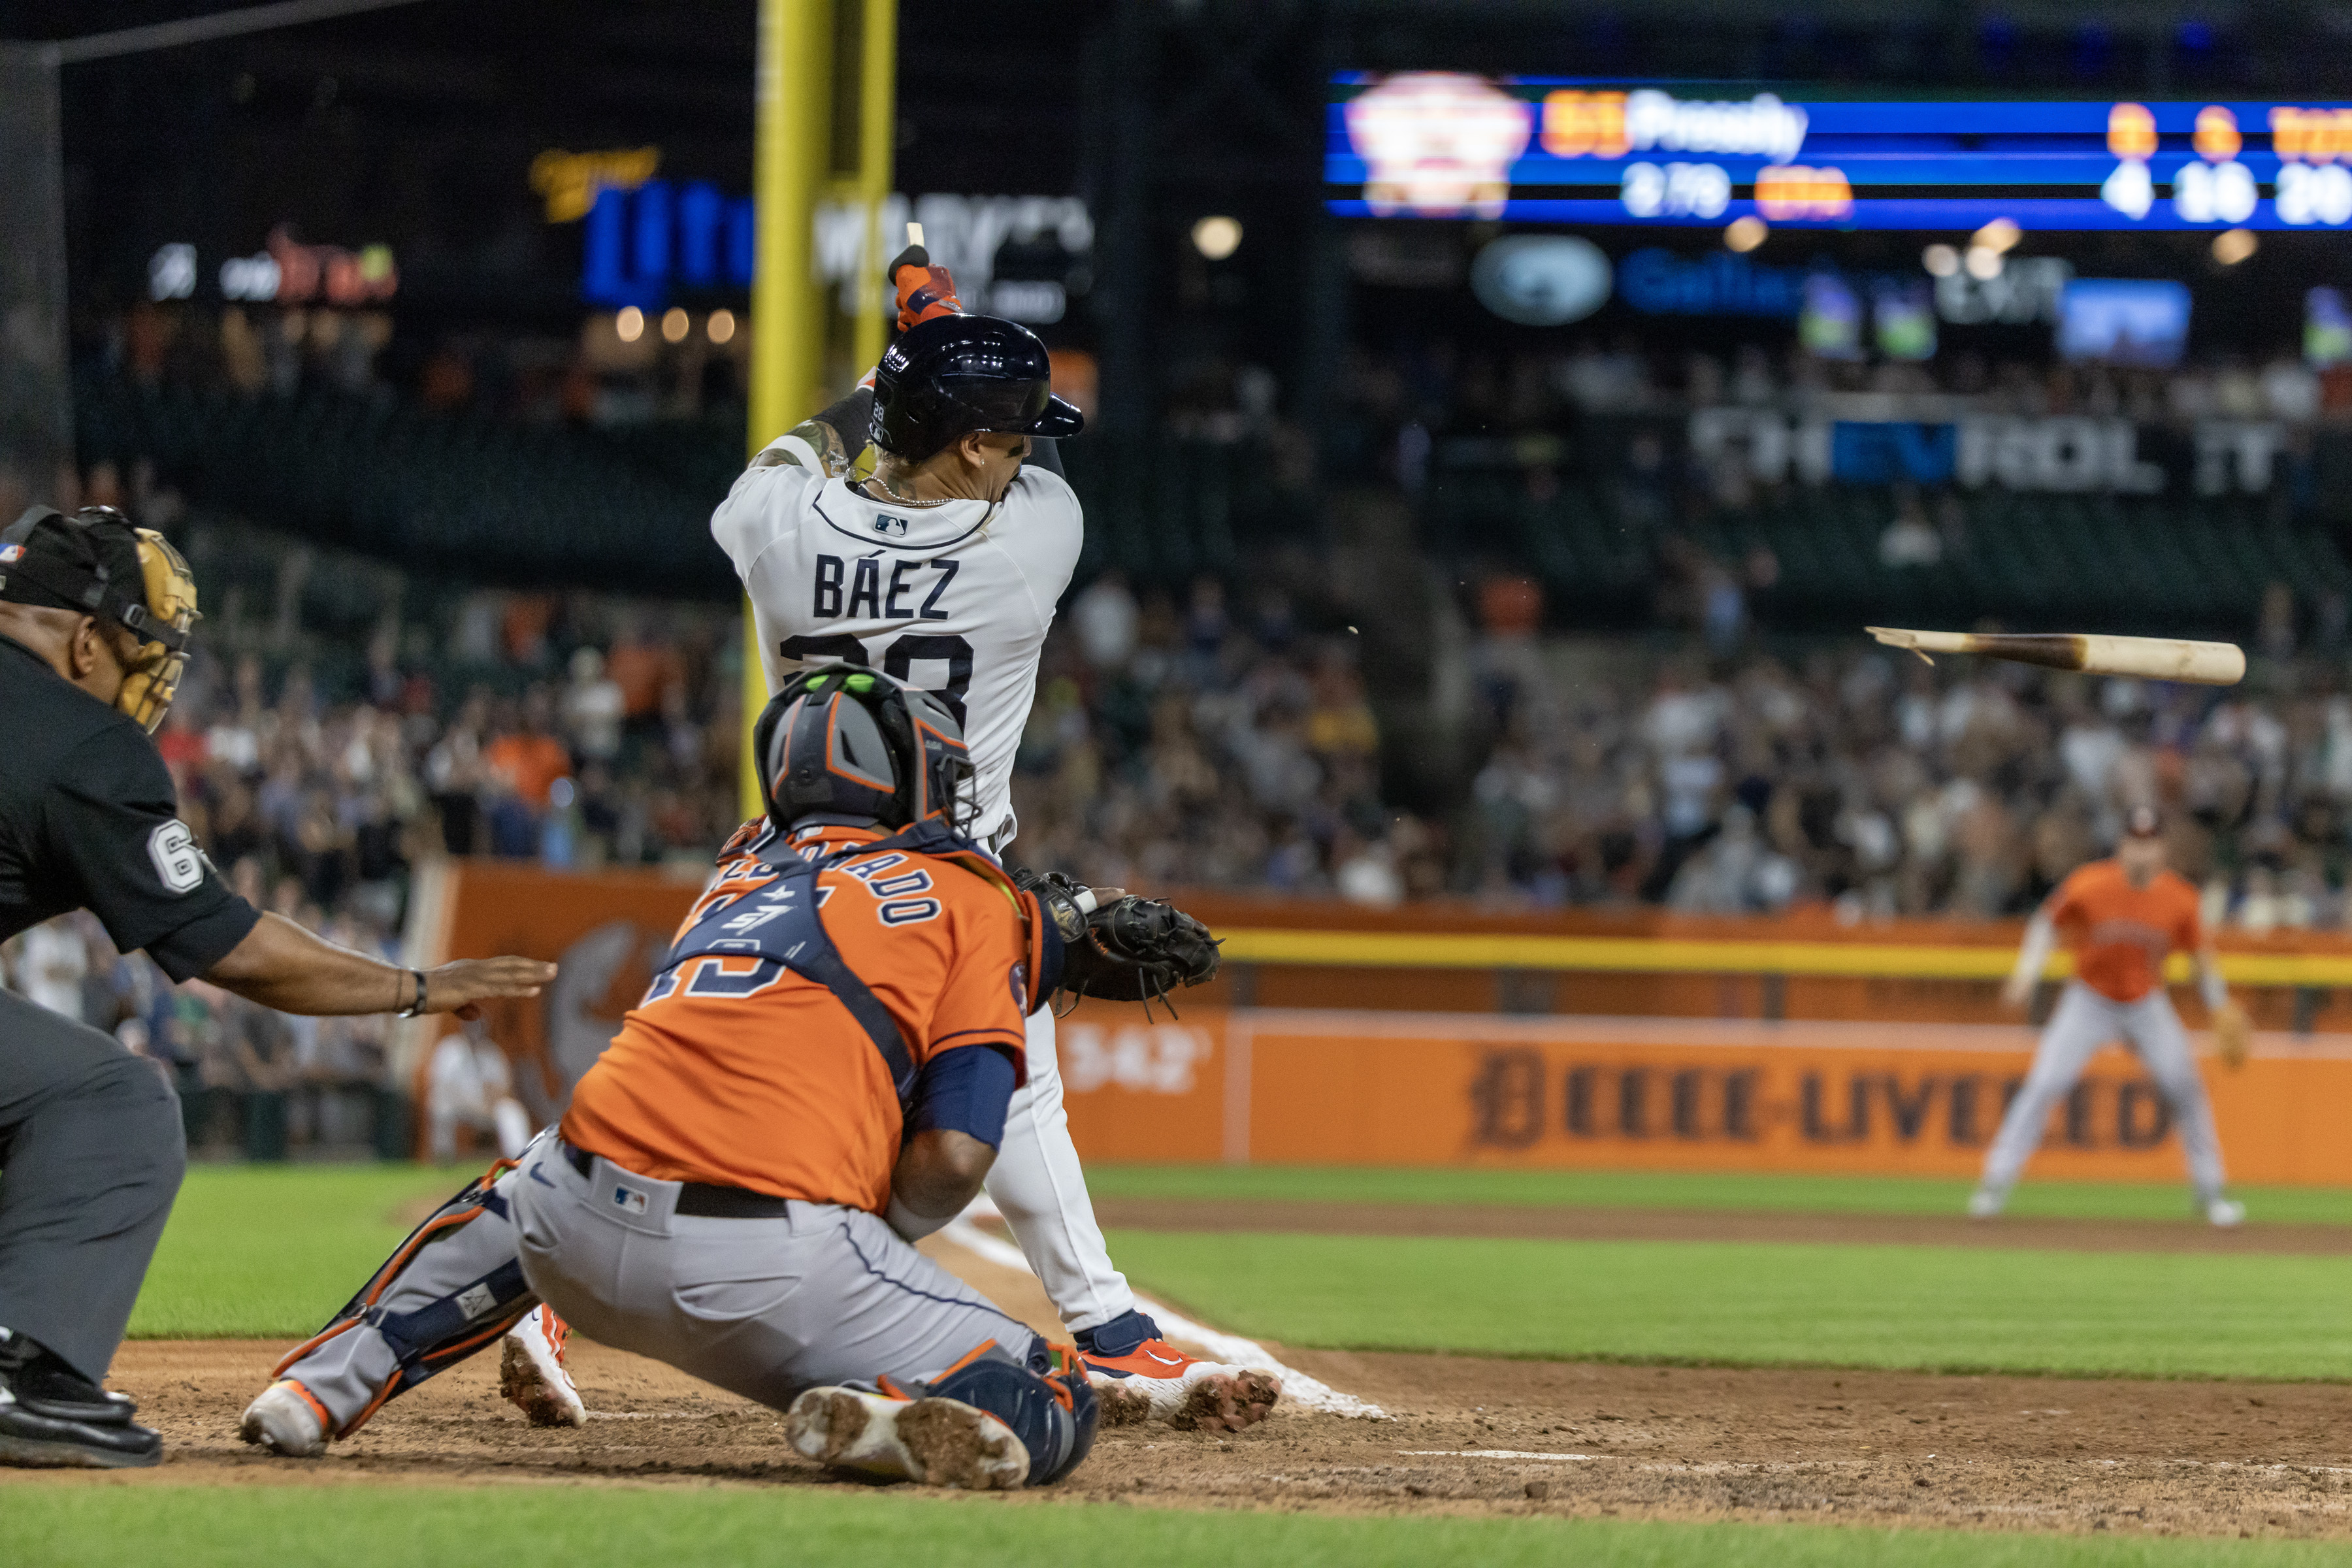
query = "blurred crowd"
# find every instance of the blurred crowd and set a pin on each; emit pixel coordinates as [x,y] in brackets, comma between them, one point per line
[1196,747]
[576,731]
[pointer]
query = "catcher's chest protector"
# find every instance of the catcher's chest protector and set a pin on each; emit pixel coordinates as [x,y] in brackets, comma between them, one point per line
[776,924]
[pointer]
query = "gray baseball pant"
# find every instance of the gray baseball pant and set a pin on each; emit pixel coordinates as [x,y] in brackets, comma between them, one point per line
[762,1308]
[91,1153]
[2082,1022]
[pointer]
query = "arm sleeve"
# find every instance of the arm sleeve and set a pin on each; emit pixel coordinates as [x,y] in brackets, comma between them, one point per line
[111,820]
[967,1092]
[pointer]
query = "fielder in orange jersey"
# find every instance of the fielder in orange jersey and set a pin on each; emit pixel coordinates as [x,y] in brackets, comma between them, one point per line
[2123,918]
[818,1074]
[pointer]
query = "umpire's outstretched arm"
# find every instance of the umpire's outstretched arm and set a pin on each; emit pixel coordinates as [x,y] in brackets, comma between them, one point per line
[283,966]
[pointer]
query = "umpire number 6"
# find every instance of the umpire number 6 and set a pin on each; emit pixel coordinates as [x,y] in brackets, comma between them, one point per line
[177,863]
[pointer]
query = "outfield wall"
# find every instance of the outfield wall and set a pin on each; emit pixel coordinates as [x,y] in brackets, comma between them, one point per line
[1509,1043]
[1385,1087]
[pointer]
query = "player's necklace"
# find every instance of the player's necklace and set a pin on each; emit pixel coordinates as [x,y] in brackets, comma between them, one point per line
[902,500]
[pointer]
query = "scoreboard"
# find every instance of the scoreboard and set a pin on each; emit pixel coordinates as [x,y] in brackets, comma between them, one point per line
[1560,150]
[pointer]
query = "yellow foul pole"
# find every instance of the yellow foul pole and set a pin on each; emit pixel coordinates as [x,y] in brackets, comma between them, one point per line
[808,51]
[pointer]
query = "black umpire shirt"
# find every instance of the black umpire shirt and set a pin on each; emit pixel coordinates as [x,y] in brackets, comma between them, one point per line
[88,820]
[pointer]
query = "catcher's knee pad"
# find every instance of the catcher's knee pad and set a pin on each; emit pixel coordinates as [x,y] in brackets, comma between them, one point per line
[1048,1403]
[463,1309]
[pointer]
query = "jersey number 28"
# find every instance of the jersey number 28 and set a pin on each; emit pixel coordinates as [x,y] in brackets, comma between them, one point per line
[897,662]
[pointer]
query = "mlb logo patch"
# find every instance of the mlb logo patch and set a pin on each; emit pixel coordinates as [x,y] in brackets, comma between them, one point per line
[629,1198]
[885,523]
[10,553]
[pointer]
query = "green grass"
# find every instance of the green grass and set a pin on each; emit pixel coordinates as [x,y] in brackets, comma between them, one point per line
[2145,1314]
[434,1527]
[1719,1190]
[268,1251]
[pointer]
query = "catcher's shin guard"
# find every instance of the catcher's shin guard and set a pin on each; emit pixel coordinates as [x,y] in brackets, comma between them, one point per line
[1048,1403]
[457,1317]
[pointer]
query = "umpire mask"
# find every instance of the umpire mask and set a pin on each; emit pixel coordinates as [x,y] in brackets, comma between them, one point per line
[99,562]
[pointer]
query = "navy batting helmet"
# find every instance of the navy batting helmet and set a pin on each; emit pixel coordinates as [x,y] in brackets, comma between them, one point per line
[952,376]
[855,742]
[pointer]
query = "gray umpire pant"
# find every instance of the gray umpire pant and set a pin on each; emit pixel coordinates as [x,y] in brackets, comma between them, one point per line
[2082,1022]
[91,1153]
[762,1308]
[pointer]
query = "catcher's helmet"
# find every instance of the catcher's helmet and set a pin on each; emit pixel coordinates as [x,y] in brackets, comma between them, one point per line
[952,376]
[851,743]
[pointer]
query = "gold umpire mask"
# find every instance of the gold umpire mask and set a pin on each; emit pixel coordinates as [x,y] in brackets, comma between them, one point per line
[170,615]
[100,564]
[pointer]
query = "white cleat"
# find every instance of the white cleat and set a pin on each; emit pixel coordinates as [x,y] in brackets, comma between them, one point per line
[285,1419]
[936,1442]
[1985,1204]
[2225,1213]
[531,1374]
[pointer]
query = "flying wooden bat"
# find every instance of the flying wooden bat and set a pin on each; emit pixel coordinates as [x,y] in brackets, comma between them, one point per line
[2152,658]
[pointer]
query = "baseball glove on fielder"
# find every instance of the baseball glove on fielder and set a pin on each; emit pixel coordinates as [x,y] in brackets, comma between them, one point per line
[1130,950]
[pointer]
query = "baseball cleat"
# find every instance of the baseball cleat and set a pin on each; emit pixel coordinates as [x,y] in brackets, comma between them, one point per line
[2225,1212]
[1138,1376]
[1985,1204]
[934,1442]
[52,1417]
[531,1374]
[285,1419]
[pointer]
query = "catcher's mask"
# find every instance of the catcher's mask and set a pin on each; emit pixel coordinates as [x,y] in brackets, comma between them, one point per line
[849,742]
[97,562]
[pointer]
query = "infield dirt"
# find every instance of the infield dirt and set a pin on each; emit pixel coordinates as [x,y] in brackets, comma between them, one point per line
[1466,1436]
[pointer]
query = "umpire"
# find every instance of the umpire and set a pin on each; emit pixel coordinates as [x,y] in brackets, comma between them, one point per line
[95,617]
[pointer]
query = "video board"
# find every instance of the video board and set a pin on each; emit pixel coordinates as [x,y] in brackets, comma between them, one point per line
[1562,150]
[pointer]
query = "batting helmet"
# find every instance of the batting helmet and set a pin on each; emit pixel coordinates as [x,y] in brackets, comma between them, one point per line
[851,743]
[950,376]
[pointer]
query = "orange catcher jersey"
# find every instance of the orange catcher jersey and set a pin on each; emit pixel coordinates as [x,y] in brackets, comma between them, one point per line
[2121,934]
[742,1071]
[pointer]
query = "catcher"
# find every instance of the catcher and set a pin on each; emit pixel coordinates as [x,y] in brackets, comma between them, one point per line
[819,1069]
[2124,917]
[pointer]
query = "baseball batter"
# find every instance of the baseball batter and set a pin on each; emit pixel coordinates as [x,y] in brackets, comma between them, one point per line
[2123,918]
[944,570]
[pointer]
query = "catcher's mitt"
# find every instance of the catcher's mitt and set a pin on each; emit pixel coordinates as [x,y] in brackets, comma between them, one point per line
[1130,950]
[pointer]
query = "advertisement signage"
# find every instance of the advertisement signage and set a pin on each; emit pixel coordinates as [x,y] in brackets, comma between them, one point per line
[1563,150]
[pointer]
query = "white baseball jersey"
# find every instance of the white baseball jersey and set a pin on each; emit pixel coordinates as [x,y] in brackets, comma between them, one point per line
[953,597]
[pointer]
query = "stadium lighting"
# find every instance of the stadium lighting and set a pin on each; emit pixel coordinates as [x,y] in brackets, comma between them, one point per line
[1997,236]
[1745,234]
[629,324]
[1983,263]
[1217,237]
[2232,246]
[675,323]
[1940,260]
[721,326]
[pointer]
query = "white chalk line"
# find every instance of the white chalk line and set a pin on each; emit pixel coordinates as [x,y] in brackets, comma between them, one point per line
[1297,1388]
[1487,1453]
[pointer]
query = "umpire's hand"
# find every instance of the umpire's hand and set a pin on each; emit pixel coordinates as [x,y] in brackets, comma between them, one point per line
[461,987]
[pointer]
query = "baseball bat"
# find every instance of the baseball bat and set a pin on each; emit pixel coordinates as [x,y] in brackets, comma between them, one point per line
[2152,658]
